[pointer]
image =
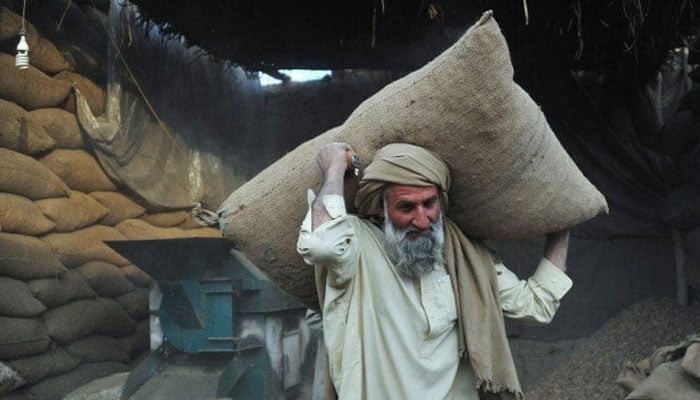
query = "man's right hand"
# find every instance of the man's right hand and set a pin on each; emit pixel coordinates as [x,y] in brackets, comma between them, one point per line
[333,158]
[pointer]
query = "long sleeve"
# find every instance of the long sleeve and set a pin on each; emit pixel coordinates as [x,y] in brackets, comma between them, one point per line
[536,299]
[332,244]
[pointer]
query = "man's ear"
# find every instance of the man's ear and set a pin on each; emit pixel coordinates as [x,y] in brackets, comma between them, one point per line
[442,196]
[382,206]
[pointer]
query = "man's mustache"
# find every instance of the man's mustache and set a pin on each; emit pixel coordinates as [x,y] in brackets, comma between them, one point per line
[412,229]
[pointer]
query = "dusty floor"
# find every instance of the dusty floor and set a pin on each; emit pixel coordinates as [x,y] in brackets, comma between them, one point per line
[584,369]
[588,368]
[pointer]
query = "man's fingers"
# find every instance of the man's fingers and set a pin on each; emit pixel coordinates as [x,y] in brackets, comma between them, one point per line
[338,154]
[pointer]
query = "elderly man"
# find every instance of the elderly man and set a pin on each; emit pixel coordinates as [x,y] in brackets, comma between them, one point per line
[413,309]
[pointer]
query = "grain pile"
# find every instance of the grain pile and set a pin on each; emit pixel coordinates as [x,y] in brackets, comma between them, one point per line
[71,309]
[591,371]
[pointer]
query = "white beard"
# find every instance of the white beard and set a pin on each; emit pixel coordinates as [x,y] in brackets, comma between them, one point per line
[414,257]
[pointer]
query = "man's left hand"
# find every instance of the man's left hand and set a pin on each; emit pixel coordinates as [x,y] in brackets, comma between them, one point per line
[556,248]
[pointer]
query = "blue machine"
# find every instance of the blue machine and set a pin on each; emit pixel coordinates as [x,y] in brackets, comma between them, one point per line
[227,331]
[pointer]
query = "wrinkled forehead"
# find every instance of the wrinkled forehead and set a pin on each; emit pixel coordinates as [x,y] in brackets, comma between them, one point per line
[397,191]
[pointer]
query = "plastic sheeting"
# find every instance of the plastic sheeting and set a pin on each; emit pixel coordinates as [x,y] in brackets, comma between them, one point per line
[178,125]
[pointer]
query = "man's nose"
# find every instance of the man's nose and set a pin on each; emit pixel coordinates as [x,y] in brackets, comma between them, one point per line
[421,220]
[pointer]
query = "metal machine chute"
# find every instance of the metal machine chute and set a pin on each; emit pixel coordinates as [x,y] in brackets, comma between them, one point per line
[219,327]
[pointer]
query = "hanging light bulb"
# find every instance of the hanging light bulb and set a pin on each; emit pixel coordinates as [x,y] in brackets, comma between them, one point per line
[22,59]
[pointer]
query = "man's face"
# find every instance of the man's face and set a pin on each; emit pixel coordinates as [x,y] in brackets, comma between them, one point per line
[414,207]
[413,228]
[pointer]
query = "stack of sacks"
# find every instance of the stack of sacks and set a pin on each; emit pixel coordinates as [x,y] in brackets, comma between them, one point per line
[67,300]
[71,309]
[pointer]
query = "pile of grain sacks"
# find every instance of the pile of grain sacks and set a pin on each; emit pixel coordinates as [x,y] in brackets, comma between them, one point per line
[71,309]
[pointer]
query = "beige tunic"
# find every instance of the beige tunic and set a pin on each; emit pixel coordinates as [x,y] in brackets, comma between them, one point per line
[391,337]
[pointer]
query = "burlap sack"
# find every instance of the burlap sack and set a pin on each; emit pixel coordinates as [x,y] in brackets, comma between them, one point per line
[20,133]
[36,368]
[140,341]
[135,303]
[99,348]
[691,361]
[72,213]
[77,248]
[42,53]
[30,88]
[20,337]
[105,279]
[10,24]
[95,95]
[119,206]
[23,175]
[60,125]
[667,382]
[166,219]
[181,219]
[46,57]
[81,318]
[68,286]
[9,379]
[26,257]
[189,223]
[88,61]
[58,386]
[137,276]
[78,169]
[511,177]
[136,229]
[16,300]
[21,215]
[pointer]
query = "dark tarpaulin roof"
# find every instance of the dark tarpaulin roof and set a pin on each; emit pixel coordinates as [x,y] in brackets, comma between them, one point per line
[621,36]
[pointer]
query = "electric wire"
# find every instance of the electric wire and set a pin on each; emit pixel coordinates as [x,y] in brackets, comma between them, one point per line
[24,11]
[139,88]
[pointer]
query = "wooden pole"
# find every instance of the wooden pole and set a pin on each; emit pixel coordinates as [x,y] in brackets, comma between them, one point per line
[681,278]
